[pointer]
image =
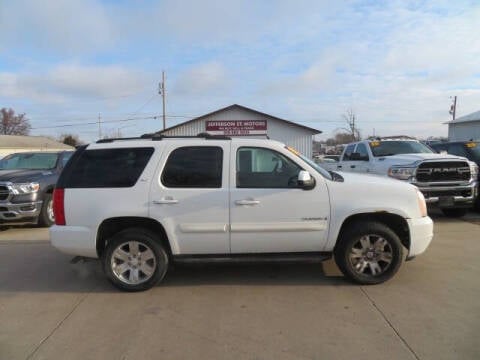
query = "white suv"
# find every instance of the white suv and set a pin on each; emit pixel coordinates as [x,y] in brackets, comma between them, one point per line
[140,204]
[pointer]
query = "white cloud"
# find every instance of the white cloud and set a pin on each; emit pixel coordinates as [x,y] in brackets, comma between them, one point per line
[71,81]
[65,26]
[203,79]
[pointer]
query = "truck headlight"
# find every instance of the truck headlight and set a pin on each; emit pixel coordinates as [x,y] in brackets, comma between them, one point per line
[401,173]
[422,205]
[474,170]
[22,189]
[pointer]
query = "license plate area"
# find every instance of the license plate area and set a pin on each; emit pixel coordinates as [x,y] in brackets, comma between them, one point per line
[446,201]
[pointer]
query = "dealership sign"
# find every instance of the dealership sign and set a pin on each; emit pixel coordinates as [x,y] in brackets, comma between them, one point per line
[236,127]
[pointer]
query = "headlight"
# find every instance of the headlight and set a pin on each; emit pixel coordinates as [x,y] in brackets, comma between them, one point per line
[422,205]
[401,173]
[474,170]
[22,189]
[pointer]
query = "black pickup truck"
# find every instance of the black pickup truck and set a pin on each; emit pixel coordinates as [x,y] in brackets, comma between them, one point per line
[27,181]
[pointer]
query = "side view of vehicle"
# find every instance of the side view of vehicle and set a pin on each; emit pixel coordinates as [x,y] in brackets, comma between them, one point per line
[142,204]
[27,181]
[449,182]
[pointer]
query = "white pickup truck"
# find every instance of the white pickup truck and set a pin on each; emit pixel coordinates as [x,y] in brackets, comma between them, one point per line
[447,181]
[140,204]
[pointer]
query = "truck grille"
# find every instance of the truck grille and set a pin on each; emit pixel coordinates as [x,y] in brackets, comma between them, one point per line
[4,192]
[443,171]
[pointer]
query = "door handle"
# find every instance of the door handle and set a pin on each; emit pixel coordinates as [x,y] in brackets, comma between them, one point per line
[339,166]
[167,200]
[247,202]
[352,166]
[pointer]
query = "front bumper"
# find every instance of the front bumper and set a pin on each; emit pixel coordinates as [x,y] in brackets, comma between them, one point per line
[449,195]
[421,234]
[24,213]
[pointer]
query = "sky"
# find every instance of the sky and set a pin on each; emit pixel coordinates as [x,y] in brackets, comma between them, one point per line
[396,64]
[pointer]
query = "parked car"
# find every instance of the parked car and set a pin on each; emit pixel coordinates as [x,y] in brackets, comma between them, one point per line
[447,181]
[141,204]
[468,149]
[26,185]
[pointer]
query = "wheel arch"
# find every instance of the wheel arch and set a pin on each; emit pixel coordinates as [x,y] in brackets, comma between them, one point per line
[397,223]
[111,226]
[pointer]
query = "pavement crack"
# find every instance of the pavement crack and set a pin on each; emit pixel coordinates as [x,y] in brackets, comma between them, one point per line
[79,302]
[389,323]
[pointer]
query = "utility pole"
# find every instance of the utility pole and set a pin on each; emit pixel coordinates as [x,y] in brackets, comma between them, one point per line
[162,90]
[453,108]
[99,127]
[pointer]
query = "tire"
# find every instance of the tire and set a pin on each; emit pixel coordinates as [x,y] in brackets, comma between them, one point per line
[46,217]
[455,213]
[135,260]
[368,253]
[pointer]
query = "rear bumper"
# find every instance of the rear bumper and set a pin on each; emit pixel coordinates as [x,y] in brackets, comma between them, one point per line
[421,234]
[74,240]
[24,213]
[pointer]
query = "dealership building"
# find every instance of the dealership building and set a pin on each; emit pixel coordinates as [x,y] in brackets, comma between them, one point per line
[240,121]
[465,128]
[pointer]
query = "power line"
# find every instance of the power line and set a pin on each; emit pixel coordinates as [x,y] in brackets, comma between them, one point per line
[97,122]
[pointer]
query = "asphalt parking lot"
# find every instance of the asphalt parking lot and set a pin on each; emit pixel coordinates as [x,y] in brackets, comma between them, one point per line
[51,309]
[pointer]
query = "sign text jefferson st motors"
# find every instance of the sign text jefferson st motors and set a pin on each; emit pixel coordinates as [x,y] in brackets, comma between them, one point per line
[237,127]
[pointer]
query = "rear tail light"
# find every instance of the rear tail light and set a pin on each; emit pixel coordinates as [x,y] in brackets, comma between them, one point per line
[59,206]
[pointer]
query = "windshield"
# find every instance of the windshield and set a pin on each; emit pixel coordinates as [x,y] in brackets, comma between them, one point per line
[475,151]
[310,162]
[29,161]
[388,148]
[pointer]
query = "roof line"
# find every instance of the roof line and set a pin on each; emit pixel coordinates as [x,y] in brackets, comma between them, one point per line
[315,131]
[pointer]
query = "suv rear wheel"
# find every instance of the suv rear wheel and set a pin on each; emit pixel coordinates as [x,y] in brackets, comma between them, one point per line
[135,260]
[369,253]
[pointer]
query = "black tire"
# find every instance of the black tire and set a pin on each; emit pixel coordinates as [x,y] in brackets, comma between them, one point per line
[117,270]
[46,217]
[360,264]
[455,213]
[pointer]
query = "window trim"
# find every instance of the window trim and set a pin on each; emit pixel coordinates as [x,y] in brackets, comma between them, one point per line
[162,173]
[268,149]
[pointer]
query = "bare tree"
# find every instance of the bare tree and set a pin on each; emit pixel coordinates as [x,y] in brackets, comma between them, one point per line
[70,139]
[351,128]
[11,124]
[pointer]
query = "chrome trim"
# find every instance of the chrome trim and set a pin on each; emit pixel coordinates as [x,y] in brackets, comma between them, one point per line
[15,209]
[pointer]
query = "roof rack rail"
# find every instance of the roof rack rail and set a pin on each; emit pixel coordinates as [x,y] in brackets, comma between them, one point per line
[158,137]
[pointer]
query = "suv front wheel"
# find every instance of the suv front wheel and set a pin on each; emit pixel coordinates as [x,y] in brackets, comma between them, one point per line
[369,253]
[135,260]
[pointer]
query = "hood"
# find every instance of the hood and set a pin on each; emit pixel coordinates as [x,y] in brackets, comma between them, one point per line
[370,179]
[23,176]
[403,159]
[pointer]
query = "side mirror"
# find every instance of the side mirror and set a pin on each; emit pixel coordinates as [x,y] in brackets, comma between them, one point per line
[305,180]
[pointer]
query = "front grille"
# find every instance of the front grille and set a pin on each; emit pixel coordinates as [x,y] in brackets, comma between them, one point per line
[443,171]
[4,192]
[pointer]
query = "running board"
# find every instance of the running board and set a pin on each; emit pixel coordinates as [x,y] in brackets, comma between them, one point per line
[306,257]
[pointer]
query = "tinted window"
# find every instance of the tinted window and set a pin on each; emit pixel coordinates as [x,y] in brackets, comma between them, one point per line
[265,168]
[348,152]
[362,151]
[457,149]
[108,168]
[194,167]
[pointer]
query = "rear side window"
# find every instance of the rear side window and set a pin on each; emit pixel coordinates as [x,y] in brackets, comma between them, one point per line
[109,168]
[194,167]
